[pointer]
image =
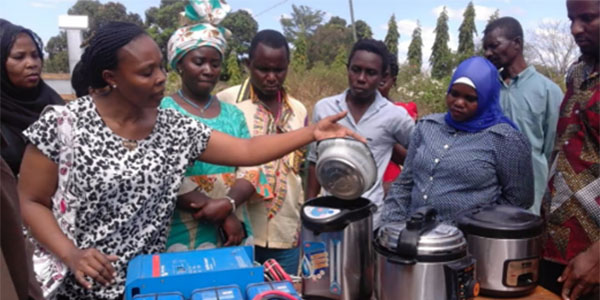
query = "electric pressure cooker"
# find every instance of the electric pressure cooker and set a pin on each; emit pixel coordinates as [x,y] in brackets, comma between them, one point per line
[506,241]
[337,256]
[422,259]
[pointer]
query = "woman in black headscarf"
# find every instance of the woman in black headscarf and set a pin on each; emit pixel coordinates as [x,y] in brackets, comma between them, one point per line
[24,93]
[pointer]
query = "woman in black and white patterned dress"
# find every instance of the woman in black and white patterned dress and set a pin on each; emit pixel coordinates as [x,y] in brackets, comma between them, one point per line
[99,180]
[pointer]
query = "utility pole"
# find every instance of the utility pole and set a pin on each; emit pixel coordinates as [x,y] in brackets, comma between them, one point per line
[74,25]
[352,20]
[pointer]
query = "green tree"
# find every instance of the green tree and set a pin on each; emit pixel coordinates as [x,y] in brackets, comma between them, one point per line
[392,36]
[441,56]
[300,54]
[341,59]
[304,21]
[234,70]
[58,60]
[415,54]
[336,21]
[466,47]
[325,43]
[100,14]
[163,20]
[494,16]
[363,30]
[243,28]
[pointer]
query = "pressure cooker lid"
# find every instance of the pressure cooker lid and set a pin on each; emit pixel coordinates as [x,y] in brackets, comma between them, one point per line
[432,241]
[500,221]
[443,239]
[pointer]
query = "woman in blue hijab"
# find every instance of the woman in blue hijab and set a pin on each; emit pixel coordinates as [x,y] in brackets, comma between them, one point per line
[468,156]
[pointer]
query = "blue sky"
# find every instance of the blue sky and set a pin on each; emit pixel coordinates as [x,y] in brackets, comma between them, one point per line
[42,15]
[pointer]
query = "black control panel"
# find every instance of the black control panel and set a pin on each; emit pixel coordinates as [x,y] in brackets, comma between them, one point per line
[461,283]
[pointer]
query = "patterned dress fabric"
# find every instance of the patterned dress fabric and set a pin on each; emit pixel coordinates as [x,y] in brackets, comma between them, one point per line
[205,16]
[215,181]
[572,203]
[121,200]
[275,218]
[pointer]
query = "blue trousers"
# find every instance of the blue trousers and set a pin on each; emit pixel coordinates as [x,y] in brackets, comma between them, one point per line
[287,258]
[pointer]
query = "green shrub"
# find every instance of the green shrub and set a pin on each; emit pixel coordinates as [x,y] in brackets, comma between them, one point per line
[429,94]
[310,86]
[173,83]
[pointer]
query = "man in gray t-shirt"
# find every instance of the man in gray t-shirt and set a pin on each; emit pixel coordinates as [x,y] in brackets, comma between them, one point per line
[369,114]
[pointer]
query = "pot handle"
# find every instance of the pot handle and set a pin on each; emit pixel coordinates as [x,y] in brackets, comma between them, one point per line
[422,220]
[401,261]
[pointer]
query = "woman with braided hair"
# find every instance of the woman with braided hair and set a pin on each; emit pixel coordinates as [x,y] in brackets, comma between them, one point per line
[99,180]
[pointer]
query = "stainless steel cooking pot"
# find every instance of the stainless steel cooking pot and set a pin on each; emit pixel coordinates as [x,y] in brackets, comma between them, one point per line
[506,241]
[345,167]
[422,259]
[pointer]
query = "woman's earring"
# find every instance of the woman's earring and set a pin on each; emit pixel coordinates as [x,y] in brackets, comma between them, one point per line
[114,86]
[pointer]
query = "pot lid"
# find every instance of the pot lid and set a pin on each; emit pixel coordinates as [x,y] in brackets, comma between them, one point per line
[345,167]
[500,221]
[341,178]
[441,240]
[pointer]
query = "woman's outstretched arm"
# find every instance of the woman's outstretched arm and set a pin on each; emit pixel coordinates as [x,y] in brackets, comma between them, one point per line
[224,149]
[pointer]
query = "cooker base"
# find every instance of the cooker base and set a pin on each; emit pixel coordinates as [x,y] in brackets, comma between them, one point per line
[506,294]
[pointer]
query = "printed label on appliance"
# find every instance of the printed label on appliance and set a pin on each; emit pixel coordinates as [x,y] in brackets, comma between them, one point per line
[315,260]
[521,272]
[317,212]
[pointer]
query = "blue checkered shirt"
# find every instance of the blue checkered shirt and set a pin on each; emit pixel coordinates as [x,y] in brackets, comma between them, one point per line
[452,170]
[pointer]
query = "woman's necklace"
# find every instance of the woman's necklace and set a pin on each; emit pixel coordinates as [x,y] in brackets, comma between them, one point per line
[130,144]
[194,105]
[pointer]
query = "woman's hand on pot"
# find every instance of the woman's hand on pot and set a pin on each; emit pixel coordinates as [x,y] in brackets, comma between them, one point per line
[582,274]
[214,210]
[234,230]
[93,263]
[328,128]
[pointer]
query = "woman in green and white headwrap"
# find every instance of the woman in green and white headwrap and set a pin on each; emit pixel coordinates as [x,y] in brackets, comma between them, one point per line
[196,53]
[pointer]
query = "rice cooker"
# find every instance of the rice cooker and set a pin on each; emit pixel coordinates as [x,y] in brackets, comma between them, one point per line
[422,259]
[506,242]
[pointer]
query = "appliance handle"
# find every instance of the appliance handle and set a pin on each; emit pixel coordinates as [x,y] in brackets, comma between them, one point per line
[422,217]
[401,261]
[422,220]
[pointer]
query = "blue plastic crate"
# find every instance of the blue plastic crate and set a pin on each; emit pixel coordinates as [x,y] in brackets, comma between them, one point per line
[185,272]
[218,293]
